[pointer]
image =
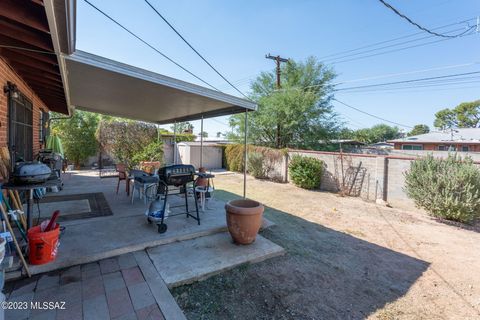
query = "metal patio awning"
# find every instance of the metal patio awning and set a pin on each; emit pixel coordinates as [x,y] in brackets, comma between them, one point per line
[109,87]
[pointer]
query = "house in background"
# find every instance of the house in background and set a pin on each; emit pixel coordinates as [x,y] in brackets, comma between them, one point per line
[462,139]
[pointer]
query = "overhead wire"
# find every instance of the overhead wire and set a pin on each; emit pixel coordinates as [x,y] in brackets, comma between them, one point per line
[408,81]
[416,24]
[392,40]
[409,72]
[398,49]
[150,46]
[391,45]
[194,50]
[372,115]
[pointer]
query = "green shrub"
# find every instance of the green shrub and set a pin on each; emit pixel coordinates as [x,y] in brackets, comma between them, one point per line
[446,188]
[256,165]
[305,172]
[234,157]
[152,152]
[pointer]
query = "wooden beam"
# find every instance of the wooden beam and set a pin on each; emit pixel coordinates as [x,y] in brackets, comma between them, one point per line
[40,74]
[26,13]
[22,62]
[48,58]
[9,41]
[26,35]
[47,91]
[21,68]
[47,82]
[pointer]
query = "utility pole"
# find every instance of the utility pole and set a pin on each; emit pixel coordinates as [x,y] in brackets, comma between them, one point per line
[278,60]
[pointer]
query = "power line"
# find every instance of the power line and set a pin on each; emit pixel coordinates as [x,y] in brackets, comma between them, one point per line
[150,46]
[408,81]
[392,40]
[399,49]
[390,46]
[194,50]
[416,24]
[409,72]
[372,115]
[410,90]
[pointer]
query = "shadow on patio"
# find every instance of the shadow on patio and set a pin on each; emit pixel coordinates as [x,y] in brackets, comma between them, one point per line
[326,274]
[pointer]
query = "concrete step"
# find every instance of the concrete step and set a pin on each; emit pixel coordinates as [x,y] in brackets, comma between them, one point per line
[197,259]
[84,243]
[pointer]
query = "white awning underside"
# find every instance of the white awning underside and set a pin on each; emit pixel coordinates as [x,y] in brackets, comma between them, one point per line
[105,86]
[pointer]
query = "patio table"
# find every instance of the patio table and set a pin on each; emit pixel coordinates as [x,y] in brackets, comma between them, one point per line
[29,188]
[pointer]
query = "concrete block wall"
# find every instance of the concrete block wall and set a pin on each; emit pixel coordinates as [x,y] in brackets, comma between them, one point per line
[383,175]
[334,179]
[396,180]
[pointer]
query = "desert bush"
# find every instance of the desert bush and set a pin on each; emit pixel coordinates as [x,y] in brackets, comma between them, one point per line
[255,165]
[446,188]
[305,172]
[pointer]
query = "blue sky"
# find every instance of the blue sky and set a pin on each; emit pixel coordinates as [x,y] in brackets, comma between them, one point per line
[235,36]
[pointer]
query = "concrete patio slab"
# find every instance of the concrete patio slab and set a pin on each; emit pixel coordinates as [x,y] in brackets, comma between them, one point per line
[197,259]
[66,207]
[127,230]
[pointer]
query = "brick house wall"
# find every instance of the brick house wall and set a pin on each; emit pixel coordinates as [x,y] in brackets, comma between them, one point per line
[473,147]
[8,74]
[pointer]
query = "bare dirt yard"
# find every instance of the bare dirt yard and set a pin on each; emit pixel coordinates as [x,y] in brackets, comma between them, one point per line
[346,259]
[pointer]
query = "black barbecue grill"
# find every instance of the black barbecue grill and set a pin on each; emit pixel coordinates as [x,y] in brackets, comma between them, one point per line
[176,176]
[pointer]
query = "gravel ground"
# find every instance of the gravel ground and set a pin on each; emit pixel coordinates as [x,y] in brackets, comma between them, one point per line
[346,259]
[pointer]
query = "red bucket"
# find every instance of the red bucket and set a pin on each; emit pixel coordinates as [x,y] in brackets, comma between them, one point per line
[42,245]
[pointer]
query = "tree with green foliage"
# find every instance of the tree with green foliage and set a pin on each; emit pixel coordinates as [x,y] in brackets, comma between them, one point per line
[182,127]
[419,129]
[78,135]
[465,115]
[377,133]
[297,115]
[125,139]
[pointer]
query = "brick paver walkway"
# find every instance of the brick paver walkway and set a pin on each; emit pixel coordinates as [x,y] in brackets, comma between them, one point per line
[113,288]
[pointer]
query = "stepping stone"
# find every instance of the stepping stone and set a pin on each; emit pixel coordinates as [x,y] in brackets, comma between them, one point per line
[193,260]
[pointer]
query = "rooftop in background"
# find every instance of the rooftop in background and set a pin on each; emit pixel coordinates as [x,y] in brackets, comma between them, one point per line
[463,135]
[343,141]
[205,143]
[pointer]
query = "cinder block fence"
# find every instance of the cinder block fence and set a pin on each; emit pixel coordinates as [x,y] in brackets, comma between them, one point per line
[368,176]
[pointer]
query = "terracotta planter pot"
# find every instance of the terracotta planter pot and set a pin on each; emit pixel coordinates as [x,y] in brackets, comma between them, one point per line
[244,218]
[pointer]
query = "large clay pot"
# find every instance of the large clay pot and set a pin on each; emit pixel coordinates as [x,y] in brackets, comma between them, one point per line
[244,218]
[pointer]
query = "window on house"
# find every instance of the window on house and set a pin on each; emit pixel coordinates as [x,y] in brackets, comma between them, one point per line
[465,148]
[412,147]
[20,131]
[448,147]
[43,126]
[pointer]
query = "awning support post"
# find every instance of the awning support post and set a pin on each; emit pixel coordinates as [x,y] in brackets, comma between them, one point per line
[201,142]
[245,156]
[175,142]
